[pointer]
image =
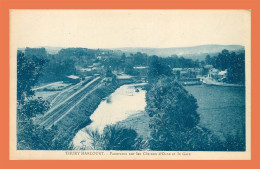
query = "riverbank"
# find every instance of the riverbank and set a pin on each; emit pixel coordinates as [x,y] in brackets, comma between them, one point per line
[79,117]
[127,101]
[210,81]
[139,122]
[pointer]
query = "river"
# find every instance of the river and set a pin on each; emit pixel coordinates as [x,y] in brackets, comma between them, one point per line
[221,109]
[124,103]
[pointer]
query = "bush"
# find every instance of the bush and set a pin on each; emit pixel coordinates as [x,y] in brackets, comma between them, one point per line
[31,108]
[234,143]
[116,138]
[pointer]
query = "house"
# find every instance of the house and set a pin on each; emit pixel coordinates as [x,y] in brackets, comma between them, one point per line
[186,73]
[177,72]
[96,64]
[96,68]
[208,67]
[198,71]
[86,71]
[72,79]
[222,75]
[217,74]
[141,70]
[213,73]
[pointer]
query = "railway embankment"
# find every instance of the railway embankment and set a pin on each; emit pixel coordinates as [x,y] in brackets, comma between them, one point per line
[79,116]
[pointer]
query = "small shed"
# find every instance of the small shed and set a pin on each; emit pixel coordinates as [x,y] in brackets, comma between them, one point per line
[72,79]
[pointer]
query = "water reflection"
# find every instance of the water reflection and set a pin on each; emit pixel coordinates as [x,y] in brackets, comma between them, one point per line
[124,102]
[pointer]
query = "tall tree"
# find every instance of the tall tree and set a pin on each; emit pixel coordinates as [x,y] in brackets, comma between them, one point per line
[236,69]
[29,69]
[174,119]
[157,68]
[208,60]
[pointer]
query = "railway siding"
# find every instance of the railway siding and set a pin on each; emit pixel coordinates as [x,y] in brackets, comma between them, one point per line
[78,109]
[55,113]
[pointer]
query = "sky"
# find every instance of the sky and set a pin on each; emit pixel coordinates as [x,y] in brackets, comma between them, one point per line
[128,28]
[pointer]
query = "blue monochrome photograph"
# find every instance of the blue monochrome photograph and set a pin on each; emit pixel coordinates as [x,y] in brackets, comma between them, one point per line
[132,80]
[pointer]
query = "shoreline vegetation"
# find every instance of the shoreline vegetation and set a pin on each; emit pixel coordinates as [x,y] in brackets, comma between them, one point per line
[172,110]
[61,135]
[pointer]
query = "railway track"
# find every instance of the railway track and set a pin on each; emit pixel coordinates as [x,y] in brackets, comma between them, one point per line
[58,112]
[69,91]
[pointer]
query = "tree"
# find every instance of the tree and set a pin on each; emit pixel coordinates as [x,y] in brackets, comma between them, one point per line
[129,69]
[236,69]
[208,60]
[28,72]
[35,137]
[123,57]
[112,63]
[174,120]
[109,73]
[233,62]
[32,107]
[29,135]
[140,59]
[223,60]
[157,68]
[168,98]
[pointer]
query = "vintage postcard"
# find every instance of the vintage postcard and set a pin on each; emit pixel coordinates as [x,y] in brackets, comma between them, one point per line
[130,84]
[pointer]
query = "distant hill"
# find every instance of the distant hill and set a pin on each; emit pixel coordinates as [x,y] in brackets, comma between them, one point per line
[194,52]
[49,49]
[52,50]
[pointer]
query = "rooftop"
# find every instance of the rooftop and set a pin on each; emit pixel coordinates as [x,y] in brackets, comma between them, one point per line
[140,67]
[124,77]
[73,77]
[222,72]
[85,69]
